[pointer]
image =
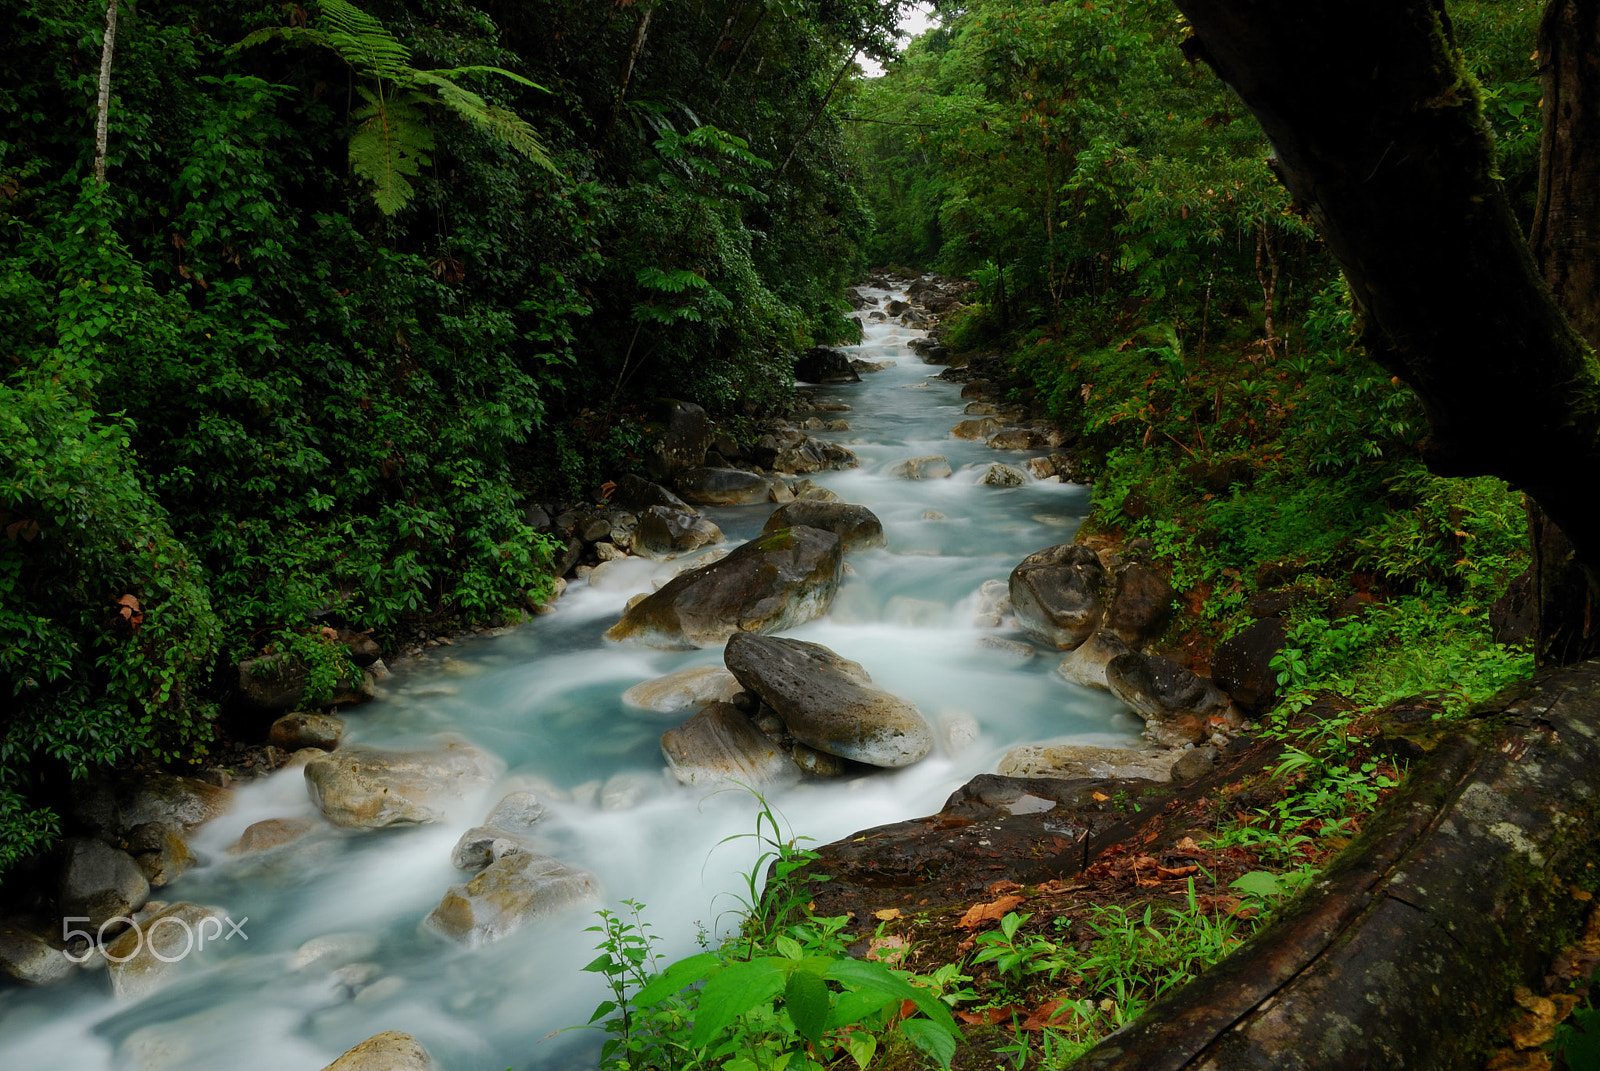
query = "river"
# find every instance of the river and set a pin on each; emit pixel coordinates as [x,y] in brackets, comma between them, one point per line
[545,698]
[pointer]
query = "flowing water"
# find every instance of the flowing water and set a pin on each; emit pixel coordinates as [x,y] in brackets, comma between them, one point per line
[545,699]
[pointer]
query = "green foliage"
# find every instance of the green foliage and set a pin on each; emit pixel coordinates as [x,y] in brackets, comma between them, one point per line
[784,994]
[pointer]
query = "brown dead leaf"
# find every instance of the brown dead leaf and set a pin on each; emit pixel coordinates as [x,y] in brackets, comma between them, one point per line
[1051,1015]
[1100,797]
[1544,1013]
[890,950]
[989,1016]
[1511,1060]
[993,911]
[1001,887]
[887,914]
[1172,873]
[1187,846]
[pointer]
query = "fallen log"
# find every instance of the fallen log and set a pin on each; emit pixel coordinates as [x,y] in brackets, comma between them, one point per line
[1406,950]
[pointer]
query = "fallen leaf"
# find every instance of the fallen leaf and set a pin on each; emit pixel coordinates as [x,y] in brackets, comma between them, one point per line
[1100,797]
[887,914]
[1187,846]
[891,950]
[993,911]
[989,1016]
[1051,1015]
[1177,871]
[1002,886]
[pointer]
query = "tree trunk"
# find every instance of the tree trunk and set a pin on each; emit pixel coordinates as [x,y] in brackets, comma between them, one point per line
[1378,131]
[818,113]
[640,32]
[1566,246]
[103,107]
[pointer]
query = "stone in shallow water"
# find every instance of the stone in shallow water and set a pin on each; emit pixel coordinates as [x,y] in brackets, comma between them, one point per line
[369,788]
[932,467]
[100,883]
[1070,761]
[28,957]
[388,1051]
[271,833]
[721,744]
[509,892]
[1086,665]
[857,527]
[142,960]
[683,689]
[1056,594]
[998,475]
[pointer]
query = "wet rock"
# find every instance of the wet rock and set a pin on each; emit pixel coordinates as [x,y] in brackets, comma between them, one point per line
[975,389]
[998,475]
[1014,650]
[813,455]
[685,688]
[774,582]
[868,367]
[119,803]
[1175,703]
[1056,594]
[1068,761]
[1194,763]
[30,959]
[271,833]
[160,851]
[482,845]
[1141,605]
[933,467]
[1242,664]
[1086,664]
[1040,468]
[388,1051]
[99,883]
[333,950]
[1013,439]
[509,892]
[955,731]
[978,429]
[278,682]
[994,602]
[980,409]
[679,434]
[369,788]
[723,487]
[517,812]
[817,763]
[610,552]
[822,365]
[828,702]
[720,744]
[664,533]
[1514,616]
[857,527]
[144,959]
[301,729]
[932,515]
[635,495]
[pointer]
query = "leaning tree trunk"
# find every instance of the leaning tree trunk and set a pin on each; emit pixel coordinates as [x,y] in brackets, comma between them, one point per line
[1566,245]
[1378,131]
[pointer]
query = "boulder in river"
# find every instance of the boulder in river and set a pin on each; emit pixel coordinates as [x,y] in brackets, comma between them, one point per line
[506,830]
[776,581]
[678,436]
[1086,664]
[303,729]
[388,1051]
[933,467]
[828,702]
[369,788]
[998,475]
[635,495]
[1013,439]
[509,892]
[1242,664]
[1178,705]
[143,959]
[978,428]
[1069,761]
[857,527]
[1056,594]
[664,533]
[685,688]
[822,365]
[719,745]
[723,487]
[99,882]
[161,852]
[270,833]
[28,957]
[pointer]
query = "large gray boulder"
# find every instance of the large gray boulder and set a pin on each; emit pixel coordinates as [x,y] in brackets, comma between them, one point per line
[682,689]
[857,527]
[120,803]
[723,487]
[507,830]
[822,365]
[773,582]
[636,495]
[720,744]
[976,428]
[828,702]
[1070,761]
[932,467]
[388,1051]
[1141,605]
[1178,705]
[99,882]
[143,960]
[509,892]
[1242,664]
[26,956]
[679,434]
[665,533]
[998,475]
[300,729]
[1086,664]
[1056,594]
[369,788]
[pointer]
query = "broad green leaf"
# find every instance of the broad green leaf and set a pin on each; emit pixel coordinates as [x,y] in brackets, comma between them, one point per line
[734,990]
[856,1005]
[867,974]
[861,1046]
[932,1038]
[1258,883]
[808,1001]
[677,976]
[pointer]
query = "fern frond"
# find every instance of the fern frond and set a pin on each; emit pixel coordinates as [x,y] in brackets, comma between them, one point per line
[295,34]
[390,147]
[477,68]
[502,123]
[364,42]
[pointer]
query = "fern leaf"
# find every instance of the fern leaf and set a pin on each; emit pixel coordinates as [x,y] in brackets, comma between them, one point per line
[502,123]
[477,68]
[390,147]
[364,42]
[295,34]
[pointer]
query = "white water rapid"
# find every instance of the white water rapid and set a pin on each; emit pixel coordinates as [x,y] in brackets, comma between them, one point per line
[545,699]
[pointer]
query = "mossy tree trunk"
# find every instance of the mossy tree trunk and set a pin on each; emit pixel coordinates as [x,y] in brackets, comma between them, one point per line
[1378,132]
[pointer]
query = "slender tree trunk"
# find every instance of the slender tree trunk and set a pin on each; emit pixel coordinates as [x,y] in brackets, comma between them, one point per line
[640,33]
[737,59]
[811,122]
[103,107]
[1269,284]
[1565,240]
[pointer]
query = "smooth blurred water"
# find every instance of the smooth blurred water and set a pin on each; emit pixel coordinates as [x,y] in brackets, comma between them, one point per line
[545,699]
